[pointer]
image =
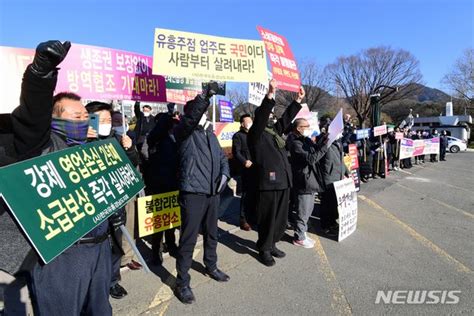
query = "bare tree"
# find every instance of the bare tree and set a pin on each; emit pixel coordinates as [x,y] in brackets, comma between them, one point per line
[314,82]
[238,95]
[364,74]
[461,77]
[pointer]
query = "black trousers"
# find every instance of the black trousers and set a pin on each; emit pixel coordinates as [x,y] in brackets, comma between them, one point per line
[272,215]
[442,152]
[329,212]
[198,213]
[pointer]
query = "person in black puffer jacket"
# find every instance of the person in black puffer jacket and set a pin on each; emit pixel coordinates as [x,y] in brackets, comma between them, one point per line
[203,174]
[305,156]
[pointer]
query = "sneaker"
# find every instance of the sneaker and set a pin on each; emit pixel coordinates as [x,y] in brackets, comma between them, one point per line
[309,239]
[303,243]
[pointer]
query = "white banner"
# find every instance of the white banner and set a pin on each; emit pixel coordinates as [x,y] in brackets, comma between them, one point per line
[347,206]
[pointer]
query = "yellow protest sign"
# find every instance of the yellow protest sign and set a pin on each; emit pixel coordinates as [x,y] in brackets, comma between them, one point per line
[158,212]
[192,55]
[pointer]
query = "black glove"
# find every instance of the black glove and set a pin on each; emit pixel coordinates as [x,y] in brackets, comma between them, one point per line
[211,89]
[118,218]
[48,56]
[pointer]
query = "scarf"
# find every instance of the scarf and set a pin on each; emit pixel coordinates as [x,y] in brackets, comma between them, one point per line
[73,132]
[279,141]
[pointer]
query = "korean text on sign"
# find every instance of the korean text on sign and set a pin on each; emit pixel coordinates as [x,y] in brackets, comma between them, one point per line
[347,206]
[192,55]
[158,212]
[60,197]
[284,68]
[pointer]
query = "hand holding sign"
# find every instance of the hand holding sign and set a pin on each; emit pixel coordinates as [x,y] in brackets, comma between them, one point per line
[272,89]
[301,95]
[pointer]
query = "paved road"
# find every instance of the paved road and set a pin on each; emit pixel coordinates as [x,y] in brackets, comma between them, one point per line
[415,232]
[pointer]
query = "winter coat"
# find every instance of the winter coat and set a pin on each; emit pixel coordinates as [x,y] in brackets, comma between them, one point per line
[273,170]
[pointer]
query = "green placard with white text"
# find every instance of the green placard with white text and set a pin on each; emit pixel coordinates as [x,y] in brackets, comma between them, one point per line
[60,197]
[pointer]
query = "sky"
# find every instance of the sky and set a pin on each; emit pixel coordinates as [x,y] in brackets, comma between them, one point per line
[436,32]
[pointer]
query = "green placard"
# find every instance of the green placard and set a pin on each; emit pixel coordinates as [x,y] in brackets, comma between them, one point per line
[60,197]
[183,83]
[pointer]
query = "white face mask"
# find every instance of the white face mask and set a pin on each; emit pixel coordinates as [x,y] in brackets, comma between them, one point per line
[119,130]
[104,129]
[203,119]
[307,133]
[248,126]
[147,114]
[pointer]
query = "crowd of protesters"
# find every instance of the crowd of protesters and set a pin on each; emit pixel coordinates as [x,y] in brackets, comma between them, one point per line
[281,166]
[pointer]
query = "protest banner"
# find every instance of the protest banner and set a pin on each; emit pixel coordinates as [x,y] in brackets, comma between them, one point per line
[177,83]
[284,68]
[58,198]
[380,130]
[431,146]
[200,56]
[226,108]
[89,71]
[158,212]
[13,62]
[398,136]
[335,128]
[224,133]
[257,92]
[406,148]
[347,206]
[180,96]
[353,153]
[363,133]
[419,147]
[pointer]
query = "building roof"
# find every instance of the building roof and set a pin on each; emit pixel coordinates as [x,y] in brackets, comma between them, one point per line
[445,120]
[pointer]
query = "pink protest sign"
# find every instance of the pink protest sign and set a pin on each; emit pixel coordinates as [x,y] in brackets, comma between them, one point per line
[104,73]
[90,71]
[398,135]
[284,68]
[180,96]
[380,130]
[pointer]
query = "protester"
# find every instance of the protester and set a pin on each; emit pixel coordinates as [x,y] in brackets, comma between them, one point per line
[333,169]
[267,148]
[163,159]
[104,111]
[305,156]
[241,154]
[62,123]
[434,157]
[128,259]
[203,175]
[443,144]
[348,131]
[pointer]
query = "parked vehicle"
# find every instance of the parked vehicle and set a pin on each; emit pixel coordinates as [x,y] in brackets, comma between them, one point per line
[455,144]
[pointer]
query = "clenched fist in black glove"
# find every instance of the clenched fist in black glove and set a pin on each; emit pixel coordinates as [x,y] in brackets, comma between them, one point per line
[118,218]
[48,56]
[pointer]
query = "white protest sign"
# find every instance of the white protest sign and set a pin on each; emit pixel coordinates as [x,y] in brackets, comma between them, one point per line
[347,206]
[336,128]
[257,92]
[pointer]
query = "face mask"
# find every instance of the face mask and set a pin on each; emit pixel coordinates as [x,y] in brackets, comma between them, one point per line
[203,119]
[104,129]
[248,126]
[119,130]
[307,133]
[147,114]
[74,132]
